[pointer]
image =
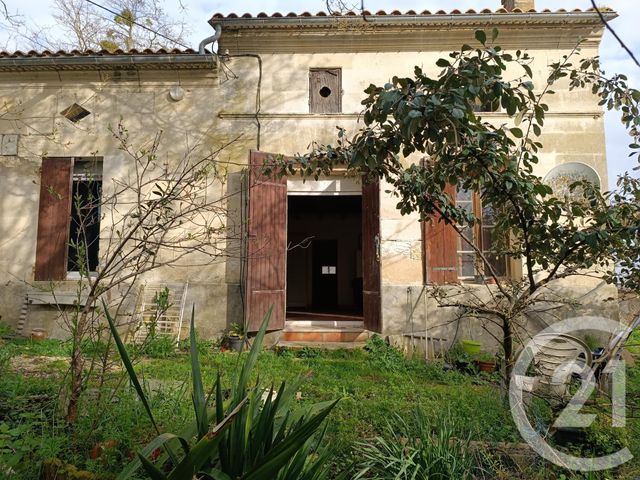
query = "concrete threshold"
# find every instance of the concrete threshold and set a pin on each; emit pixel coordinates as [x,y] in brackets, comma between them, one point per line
[299,345]
[330,325]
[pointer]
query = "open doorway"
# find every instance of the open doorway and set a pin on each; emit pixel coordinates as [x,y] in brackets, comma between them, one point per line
[324,257]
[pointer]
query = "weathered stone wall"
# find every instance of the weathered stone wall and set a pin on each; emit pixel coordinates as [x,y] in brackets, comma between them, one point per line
[142,103]
[219,108]
[412,310]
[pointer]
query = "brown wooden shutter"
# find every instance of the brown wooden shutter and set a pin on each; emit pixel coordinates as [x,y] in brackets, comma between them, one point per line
[53,219]
[267,246]
[439,248]
[371,257]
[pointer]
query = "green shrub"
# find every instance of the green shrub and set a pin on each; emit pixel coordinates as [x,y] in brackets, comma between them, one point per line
[26,438]
[6,353]
[91,347]
[418,450]
[55,469]
[6,330]
[157,346]
[284,352]
[309,352]
[15,445]
[602,439]
[205,346]
[49,347]
[385,356]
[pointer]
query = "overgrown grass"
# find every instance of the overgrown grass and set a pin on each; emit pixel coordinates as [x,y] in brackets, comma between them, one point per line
[374,387]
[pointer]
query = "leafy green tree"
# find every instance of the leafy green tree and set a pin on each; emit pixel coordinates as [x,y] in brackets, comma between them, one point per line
[436,118]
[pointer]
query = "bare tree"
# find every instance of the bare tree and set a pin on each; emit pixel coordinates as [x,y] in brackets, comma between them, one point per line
[114,24]
[343,6]
[12,23]
[157,215]
[109,25]
[80,23]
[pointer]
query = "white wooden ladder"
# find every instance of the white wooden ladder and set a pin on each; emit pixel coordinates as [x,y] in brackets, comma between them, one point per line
[165,317]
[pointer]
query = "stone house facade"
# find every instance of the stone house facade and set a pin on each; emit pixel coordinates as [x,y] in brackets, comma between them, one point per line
[278,83]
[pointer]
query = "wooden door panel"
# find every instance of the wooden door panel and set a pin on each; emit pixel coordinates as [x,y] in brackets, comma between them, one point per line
[266,246]
[440,245]
[54,215]
[371,257]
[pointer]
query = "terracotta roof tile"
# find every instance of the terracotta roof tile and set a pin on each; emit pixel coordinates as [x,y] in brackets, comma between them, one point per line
[102,53]
[381,13]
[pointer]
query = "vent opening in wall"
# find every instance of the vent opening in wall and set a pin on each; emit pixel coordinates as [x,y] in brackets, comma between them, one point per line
[325,90]
[75,113]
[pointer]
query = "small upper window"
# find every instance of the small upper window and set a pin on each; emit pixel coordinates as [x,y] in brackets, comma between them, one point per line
[75,112]
[325,90]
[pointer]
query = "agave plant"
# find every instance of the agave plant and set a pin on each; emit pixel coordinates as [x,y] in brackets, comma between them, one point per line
[252,434]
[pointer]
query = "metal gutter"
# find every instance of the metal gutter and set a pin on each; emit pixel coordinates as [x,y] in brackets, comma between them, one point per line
[530,18]
[109,62]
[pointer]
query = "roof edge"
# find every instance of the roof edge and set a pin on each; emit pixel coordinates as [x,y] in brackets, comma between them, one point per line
[516,17]
[109,62]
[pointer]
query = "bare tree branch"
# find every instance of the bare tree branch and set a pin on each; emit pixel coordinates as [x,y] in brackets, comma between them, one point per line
[613,32]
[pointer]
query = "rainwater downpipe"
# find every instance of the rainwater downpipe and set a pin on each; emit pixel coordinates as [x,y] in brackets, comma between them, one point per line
[258,92]
[210,40]
[214,38]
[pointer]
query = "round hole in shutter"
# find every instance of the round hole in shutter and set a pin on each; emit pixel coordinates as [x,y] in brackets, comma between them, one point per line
[325,92]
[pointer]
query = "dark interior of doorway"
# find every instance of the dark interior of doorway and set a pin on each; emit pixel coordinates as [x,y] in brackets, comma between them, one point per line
[324,258]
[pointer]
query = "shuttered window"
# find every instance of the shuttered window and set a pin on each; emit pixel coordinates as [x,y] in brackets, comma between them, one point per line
[447,257]
[61,188]
[469,264]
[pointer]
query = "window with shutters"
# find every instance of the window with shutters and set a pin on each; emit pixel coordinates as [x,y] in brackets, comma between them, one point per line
[469,265]
[325,90]
[68,217]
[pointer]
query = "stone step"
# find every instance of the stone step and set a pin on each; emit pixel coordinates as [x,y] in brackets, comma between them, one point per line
[294,345]
[324,324]
[324,335]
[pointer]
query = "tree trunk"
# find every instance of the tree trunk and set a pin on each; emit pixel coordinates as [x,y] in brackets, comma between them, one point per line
[77,362]
[507,346]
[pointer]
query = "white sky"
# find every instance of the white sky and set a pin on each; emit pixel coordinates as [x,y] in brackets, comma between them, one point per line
[614,59]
